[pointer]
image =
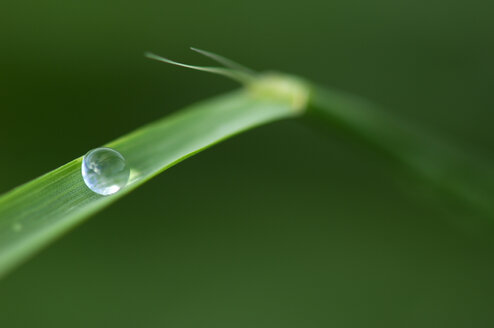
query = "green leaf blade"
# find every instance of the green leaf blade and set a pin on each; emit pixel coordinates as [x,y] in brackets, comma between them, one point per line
[38,212]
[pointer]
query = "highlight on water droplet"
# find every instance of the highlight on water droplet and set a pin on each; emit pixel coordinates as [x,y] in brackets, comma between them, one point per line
[105,171]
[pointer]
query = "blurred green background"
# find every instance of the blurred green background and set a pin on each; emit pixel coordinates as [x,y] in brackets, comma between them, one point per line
[283,226]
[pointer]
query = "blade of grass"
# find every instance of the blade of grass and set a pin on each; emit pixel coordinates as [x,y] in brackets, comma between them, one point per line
[36,213]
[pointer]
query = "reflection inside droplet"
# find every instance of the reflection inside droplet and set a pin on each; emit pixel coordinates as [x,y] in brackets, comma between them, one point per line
[105,171]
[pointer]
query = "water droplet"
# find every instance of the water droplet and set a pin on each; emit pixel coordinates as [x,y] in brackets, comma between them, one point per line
[105,171]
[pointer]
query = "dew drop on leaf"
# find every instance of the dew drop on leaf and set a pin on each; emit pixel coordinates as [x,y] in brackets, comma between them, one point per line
[105,171]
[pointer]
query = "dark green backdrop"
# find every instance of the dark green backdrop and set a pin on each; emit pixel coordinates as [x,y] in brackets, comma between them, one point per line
[283,226]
